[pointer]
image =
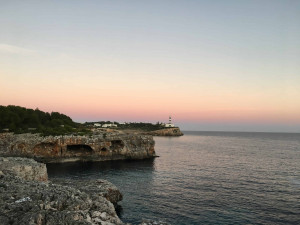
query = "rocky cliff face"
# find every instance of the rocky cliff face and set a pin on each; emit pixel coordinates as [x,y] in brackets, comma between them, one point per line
[99,147]
[174,131]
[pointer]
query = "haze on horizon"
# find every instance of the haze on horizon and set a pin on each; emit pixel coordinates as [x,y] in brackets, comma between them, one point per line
[213,65]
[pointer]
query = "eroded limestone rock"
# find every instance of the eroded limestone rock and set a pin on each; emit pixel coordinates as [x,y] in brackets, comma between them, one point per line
[94,188]
[112,146]
[38,203]
[27,169]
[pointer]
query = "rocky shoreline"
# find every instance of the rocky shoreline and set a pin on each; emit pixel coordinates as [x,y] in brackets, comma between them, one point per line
[170,132]
[166,132]
[30,198]
[25,199]
[97,147]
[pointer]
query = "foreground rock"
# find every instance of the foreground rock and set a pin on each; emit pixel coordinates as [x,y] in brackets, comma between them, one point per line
[34,202]
[27,169]
[100,147]
[24,199]
[94,188]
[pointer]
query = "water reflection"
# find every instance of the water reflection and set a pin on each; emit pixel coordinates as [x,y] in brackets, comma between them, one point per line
[205,178]
[134,178]
[79,168]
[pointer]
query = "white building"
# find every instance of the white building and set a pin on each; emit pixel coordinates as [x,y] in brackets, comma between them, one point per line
[109,125]
[97,125]
[170,124]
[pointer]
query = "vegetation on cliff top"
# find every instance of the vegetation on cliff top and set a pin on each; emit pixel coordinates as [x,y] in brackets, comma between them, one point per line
[22,120]
[131,126]
[142,126]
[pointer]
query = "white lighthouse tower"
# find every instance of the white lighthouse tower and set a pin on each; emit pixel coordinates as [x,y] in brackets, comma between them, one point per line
[170,124]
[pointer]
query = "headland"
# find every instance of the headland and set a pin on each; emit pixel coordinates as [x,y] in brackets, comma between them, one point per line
[29,138]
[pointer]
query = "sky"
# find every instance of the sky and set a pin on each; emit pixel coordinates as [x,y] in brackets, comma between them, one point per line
[229,65]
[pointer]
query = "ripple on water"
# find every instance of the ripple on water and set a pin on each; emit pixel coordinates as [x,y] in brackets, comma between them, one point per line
[206,178]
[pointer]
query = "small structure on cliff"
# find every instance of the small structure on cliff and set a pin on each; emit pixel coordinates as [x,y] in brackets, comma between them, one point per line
[109,125]
[105,125]
[170,124]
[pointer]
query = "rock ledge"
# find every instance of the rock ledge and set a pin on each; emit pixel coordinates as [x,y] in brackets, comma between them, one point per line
[27,169]
[98,147]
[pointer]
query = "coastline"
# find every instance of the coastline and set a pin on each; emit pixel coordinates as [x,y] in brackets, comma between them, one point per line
[27,196]
[70,148]
[168,132]
[29,200]
[23,173]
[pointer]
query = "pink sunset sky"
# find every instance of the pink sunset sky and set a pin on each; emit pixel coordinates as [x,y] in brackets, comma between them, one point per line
[225,66]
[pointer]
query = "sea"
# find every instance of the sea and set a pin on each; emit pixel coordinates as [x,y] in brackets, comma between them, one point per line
[205,178]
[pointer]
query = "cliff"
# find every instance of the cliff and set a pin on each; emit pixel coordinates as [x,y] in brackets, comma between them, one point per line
[97,147]
[172,131]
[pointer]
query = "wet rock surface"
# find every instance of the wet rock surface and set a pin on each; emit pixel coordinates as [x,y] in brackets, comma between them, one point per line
[27,169]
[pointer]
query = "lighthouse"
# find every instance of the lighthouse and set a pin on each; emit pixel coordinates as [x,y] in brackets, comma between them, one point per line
[170,124]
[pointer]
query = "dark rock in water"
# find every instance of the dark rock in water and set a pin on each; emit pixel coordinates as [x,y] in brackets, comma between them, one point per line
[33,202]
[94,188]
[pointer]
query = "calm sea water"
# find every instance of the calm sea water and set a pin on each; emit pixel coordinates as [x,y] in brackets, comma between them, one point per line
[206,178]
